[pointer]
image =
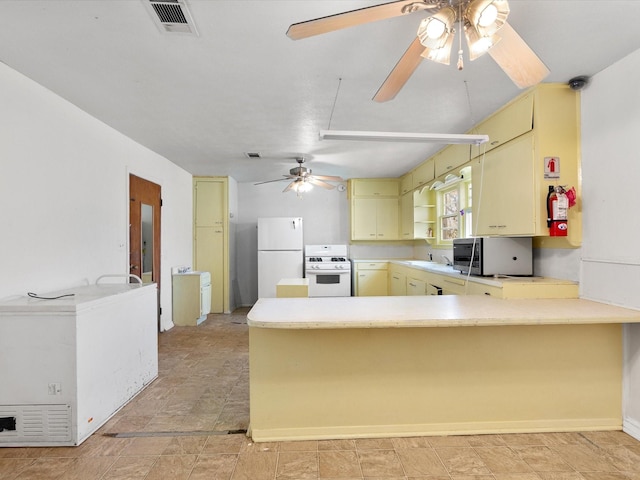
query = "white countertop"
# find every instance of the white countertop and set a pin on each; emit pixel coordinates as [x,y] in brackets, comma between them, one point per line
[430,311]
[442,269]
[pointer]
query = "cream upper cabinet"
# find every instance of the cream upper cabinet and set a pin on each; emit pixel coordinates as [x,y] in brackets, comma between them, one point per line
[513,182]
[452,157]
[406,183]
[406,216]
[375,209]
[503,193]
[423,173]
[370,187]
[210,204]
[374,219]
[509,122]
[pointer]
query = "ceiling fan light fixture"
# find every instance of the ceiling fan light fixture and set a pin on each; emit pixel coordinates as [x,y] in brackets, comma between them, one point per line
[478,44]
[302,186]
[434,31]
[440,55]
[487,16]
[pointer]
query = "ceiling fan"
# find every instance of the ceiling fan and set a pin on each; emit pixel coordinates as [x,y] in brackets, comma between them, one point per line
[484,25]
[303,180]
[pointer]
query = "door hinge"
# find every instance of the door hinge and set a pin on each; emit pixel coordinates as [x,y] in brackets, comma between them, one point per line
[160,310]
[161,202]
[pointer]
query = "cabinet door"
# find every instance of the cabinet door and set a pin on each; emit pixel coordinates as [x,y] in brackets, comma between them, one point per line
[416,287]
[372,283]
[397,284]
[506,124]
[209,257]
[387,225]
[364,218]
[451,158]
[406,216]
[406,183]
[209,203]
[424,173]
[507,206]
[382,188]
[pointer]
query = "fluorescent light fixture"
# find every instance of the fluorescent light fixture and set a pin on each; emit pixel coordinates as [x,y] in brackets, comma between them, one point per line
[445,138]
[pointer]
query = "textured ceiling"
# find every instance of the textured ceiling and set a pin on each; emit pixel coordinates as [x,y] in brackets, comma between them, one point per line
[243,86]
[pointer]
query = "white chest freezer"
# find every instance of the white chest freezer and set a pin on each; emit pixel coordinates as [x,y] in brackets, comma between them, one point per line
[67,365]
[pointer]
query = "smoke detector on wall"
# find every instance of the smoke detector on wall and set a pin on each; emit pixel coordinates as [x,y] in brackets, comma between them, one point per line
[171,16]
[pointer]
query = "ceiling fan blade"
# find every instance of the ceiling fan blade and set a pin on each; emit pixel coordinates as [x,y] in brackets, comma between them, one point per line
[271,181]
[351,18]
[289,187]
[320,183]
[331,178]
[401,72]
[517,59]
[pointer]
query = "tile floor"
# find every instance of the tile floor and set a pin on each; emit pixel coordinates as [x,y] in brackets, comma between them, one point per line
[203,389]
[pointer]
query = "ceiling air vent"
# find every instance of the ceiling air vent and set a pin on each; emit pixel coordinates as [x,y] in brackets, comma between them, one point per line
[253,155]
[172,16]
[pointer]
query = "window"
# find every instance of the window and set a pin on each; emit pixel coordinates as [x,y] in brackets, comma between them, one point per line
[454,210]
[450,218]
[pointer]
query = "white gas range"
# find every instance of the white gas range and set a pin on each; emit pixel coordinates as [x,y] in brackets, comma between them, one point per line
[328,270]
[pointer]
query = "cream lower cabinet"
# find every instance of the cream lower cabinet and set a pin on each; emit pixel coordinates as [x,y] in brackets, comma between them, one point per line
[397,283]
[503,191]
[374,219]
[371,279]
[416,286]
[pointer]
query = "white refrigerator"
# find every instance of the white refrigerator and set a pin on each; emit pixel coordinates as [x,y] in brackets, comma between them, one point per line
[280,252]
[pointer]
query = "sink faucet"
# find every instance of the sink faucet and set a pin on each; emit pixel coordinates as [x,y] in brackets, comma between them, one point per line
[430,257]
[447,260]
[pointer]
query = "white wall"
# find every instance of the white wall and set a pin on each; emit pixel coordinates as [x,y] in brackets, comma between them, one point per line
[64,195]
[610,266]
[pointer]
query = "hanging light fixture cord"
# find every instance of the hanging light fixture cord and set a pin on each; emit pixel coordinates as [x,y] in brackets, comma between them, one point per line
[335,100]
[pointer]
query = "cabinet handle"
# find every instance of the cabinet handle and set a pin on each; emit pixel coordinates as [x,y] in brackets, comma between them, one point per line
[412,284]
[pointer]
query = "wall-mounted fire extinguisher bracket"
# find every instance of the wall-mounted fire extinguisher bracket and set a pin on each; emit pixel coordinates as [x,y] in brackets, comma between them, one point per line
[558,203]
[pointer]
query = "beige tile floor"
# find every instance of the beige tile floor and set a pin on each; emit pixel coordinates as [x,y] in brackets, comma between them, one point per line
[202,389]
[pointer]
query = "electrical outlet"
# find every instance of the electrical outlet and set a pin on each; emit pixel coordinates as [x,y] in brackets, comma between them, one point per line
[55,389]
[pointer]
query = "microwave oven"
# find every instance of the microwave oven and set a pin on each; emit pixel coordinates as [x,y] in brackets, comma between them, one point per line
[487,256]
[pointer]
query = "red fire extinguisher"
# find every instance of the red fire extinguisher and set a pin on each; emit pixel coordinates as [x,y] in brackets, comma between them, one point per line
[558,202]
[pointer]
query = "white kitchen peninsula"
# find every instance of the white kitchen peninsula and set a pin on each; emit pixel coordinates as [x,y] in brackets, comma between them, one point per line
[328,368]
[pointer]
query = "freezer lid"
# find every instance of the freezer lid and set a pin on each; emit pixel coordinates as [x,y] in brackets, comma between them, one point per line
[280,233]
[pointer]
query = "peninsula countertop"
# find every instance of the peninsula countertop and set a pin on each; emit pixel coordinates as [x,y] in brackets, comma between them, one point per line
[430,311]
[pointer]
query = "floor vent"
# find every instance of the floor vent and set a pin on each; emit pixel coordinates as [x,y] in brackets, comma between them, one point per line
[37,423]
[172,16]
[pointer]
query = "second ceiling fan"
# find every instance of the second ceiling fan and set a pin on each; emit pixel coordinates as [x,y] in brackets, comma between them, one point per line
[482,21]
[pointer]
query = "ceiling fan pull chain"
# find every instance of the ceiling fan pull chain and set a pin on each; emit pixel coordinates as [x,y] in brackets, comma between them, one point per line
[461,28]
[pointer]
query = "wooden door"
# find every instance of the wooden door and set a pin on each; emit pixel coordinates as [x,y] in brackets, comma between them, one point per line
[144,231]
